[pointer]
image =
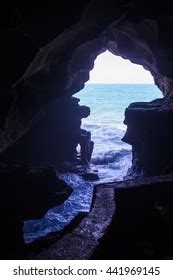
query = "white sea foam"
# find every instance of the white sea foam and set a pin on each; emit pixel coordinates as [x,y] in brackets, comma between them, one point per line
[58,217]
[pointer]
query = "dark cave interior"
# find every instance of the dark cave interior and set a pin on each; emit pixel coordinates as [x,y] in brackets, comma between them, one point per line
[46,55]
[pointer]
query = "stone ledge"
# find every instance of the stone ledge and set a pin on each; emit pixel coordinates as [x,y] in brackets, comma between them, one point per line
[81,242]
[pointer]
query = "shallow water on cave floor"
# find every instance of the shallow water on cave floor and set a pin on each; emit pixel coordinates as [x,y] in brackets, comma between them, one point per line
[59,217]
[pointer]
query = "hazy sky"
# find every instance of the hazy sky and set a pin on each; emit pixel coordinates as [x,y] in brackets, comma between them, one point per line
[114,69]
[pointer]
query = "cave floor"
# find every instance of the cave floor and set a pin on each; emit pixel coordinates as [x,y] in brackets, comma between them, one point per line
[80,242]
[126,222]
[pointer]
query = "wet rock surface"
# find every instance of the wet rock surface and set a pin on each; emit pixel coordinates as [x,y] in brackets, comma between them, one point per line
[90,176]
[142,226]
[131,219]
[86,146]
[26,194]
[80,242]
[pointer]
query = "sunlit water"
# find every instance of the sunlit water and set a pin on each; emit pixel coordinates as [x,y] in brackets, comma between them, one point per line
[111,157]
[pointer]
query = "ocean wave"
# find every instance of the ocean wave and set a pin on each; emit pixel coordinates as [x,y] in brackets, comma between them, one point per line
[110,157]
[90,126]
[60,216]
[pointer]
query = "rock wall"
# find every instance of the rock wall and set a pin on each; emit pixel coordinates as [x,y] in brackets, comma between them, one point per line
[28,192]
[54,138]
[149,131]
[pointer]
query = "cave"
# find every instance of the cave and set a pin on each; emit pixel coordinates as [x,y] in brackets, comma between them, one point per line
[40,128]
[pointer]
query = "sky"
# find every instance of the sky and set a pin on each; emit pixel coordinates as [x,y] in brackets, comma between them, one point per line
[112,69]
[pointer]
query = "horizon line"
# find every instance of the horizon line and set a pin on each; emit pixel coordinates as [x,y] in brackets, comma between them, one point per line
[119,83]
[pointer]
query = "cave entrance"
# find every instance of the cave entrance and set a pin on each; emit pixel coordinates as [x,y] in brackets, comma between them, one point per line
[114,84]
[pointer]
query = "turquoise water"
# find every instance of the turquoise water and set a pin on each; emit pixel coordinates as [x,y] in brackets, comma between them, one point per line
[58,217]
[111,157]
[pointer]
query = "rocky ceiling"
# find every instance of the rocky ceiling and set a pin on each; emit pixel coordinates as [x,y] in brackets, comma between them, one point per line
[136,30]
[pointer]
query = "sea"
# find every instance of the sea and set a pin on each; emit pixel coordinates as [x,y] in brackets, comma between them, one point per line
[111,157]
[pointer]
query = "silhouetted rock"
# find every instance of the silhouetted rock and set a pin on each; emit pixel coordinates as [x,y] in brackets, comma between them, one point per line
[90,176]
[26,194]
[86,145]
[128,220]
[142,226]
[54,138]
[149,131]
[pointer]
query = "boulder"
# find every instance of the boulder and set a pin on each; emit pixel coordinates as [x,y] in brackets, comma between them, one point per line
[90,176]
[86,144]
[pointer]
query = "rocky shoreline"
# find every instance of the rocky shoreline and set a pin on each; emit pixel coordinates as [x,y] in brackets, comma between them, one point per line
[130,219]
[81,240]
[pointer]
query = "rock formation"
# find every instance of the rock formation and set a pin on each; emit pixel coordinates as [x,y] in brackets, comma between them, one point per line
[54,137]
[51,142]
[130,219]
[26,194]
[149,131]
[142,226]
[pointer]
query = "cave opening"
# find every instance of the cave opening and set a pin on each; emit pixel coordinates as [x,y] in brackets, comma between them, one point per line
[114,83]
[34,133]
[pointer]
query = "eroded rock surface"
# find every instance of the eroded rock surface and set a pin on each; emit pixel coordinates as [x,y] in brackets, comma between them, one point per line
[149,131]
[142,226]
[80,242]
